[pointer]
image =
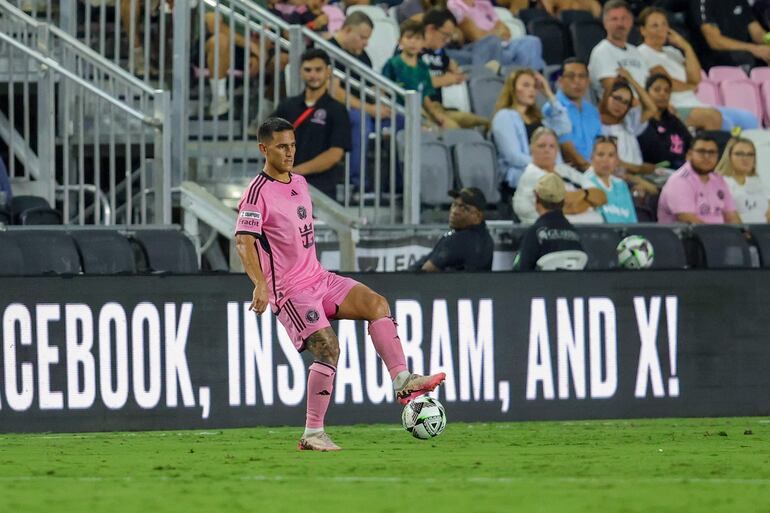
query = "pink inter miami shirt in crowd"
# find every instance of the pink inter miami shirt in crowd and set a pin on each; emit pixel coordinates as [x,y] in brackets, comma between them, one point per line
[280,215]
[685,193]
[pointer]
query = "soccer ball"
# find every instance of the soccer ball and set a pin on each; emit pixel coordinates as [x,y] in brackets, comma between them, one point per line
[424,418]
[635,252]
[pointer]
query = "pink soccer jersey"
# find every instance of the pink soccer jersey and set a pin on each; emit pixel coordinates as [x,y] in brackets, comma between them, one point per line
[280,215]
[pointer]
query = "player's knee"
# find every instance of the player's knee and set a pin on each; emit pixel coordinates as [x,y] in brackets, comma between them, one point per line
[378,307]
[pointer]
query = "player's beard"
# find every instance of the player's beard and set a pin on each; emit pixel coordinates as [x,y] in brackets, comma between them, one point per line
[700,171]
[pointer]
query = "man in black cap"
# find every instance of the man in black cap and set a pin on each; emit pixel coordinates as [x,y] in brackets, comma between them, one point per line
[552,231]
[468,246]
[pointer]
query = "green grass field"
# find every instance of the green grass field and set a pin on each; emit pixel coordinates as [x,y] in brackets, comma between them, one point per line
[676,465]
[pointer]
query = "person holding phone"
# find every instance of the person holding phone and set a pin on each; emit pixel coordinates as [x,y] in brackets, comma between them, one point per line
[516,118]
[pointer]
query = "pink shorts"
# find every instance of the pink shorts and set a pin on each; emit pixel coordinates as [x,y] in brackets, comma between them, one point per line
[310,309]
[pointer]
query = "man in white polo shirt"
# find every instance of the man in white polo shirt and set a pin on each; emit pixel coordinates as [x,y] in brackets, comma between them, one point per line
[614,51]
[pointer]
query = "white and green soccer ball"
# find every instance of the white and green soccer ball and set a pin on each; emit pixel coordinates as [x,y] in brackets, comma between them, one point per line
[424,417]
[635,252]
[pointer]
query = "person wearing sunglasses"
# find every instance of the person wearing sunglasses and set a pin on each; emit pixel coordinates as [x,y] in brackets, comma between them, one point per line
[695,194]
[739,167]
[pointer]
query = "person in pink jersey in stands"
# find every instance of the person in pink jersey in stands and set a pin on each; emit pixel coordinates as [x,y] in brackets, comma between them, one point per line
[275,241]
[695,194]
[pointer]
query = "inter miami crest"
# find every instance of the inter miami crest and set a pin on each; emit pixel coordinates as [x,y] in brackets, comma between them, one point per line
[301,212]
[312,316]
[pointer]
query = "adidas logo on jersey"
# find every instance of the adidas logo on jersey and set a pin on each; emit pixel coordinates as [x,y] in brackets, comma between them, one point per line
[294,193]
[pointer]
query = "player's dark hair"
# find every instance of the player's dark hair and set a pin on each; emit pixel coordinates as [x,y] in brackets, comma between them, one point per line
[356,18]
[649,11]
[654,78]
[705,137]
[572,60]
[315,53]
[437,16]
[271,126]
[413,27]
[616,4]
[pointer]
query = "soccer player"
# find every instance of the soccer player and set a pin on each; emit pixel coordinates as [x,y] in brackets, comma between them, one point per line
[275,241]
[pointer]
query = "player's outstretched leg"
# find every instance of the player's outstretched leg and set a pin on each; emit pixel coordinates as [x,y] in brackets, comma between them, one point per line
[320,385]
[363,303]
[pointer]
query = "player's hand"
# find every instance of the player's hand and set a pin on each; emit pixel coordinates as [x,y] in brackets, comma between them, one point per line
[259,298]
[625,75]
[761,52]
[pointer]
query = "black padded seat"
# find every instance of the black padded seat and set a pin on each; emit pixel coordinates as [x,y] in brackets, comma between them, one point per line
[168,251]
[104,252]
[47,251]
[601,245]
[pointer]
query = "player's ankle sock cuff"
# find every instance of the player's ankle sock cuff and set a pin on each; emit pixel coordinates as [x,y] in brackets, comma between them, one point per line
[400,380]
[312,431]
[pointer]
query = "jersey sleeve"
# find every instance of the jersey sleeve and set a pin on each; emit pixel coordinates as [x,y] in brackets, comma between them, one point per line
[250,216]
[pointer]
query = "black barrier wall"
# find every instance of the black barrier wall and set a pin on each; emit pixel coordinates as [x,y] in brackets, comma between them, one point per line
[160,352]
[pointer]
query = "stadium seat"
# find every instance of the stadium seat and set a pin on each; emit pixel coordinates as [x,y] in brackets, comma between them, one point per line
[741,94]
[719,74]
[452,137]
[719,247]
[528,15]
[436,173]
[11,257]
[556,46]
[600,243]
[760,74]
[104,252]
[167,251]
[457,97]
[20,204]
[39,216]
[760,235]
[484,92]
[47,251]
[668,247]
[514,24]
[708,93]
[585,36]
[761,140]
[476,167]
[570,16]
[569,260]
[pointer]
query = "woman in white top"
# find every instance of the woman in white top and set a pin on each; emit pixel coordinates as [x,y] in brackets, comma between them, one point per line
[582,195]
[739,167]
[665,51]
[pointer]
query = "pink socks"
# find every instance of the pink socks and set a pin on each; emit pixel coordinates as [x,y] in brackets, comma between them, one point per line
[388,345]
[320,384]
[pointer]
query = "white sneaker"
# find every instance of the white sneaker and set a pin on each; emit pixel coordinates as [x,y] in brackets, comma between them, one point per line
[220,105]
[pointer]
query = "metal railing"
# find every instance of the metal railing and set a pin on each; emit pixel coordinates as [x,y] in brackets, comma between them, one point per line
[95,137]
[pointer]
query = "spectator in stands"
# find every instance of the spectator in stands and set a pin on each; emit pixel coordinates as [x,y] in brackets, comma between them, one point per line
[695,194]
[577,144]
[316,15]
[626,122]
[666,139]
[739,167]
[353,38]
[409,71]
[321,125]
[582,196]
[729,33]
[665,51]
[615,51]
[416,9]
[604,163]
[439,26]
[468,246]
[516,119]
[552,231]
[5,185]
[488,40]
[220,62]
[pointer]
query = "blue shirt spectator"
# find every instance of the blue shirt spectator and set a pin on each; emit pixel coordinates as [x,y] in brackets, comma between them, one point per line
[586,122]
[620,205]
[586,125]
